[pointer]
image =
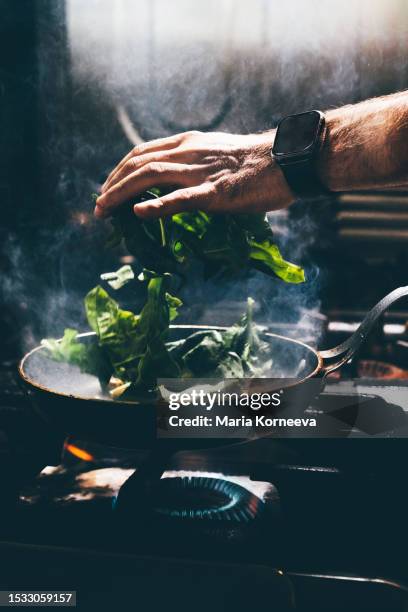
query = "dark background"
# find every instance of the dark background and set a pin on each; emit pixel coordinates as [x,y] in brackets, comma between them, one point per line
[75,75]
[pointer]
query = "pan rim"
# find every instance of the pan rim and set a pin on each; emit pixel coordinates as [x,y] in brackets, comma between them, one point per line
[36,385]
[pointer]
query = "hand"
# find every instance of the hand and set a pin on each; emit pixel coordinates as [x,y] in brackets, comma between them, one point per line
[214,171]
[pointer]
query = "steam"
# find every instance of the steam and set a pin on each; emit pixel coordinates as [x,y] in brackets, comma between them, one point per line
[140,69]
[286,309]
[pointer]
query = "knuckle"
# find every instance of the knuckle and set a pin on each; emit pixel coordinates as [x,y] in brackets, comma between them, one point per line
[155,168]
[215,189]
[192,133]
[119,187]
[215,192]
[148,168]
[130,165]
[233,161]
[138,149]
[185,195]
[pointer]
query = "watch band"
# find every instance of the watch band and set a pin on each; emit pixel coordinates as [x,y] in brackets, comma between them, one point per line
[302,178]
[296,157]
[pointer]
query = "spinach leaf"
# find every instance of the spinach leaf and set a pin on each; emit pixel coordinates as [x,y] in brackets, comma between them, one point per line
[135,344]
[118,279]
[266,256]
[226,244]
[88,357]
[134,347]
[69,348]
[231,353]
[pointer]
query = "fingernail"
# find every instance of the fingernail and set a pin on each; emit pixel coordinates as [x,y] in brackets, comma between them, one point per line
[98,212]
[141,209]
[144,209]
[138,210]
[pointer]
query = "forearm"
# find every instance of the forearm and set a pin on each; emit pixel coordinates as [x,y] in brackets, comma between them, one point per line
[366,145]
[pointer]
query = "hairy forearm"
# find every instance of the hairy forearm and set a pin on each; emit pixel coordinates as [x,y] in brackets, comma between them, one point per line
[366,145]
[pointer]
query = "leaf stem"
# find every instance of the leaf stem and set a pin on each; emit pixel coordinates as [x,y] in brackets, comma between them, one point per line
[162,232]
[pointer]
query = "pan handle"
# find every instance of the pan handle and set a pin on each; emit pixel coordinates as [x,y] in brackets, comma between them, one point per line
[335,357]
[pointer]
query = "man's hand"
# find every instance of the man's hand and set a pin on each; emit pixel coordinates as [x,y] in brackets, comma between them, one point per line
[215,171]
[365,147]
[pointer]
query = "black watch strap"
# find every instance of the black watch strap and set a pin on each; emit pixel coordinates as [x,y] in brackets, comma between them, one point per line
[298,141]
[303,179]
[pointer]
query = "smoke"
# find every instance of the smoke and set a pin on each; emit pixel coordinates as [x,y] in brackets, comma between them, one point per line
[281,307]
[29,289]
[229,65]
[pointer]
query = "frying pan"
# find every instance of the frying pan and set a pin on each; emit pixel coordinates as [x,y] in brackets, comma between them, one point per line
[73,403]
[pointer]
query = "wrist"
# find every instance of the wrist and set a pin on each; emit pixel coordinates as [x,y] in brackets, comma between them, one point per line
[329,171]
[272,191]
[298,143]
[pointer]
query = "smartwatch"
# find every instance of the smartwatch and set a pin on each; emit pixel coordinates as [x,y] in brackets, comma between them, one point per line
[298,141]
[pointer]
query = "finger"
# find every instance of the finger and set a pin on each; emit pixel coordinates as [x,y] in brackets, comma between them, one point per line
[175,202]
[135,163]
[159,144]
[150,175]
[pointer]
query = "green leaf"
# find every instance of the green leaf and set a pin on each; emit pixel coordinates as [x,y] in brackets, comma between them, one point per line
[196,223]
[206,355]
[135,344]
[117,329]
[68,348]
[88,357]
[228,353]
[119,278]
[226,244]
[268,257]
[174,304]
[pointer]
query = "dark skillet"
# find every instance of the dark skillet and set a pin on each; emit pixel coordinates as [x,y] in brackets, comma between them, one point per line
[73,403]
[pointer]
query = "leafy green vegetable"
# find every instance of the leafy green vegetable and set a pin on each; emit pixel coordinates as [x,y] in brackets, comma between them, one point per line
[267,257]
[135,344]
[88,357]
[119,278]
[131,346]
[69,348]
[231,353]
[134,348]
[224,243]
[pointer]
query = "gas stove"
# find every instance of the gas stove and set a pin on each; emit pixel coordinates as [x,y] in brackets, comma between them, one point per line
[318,519]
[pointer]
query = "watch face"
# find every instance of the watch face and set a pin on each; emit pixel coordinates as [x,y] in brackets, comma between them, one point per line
[297,133]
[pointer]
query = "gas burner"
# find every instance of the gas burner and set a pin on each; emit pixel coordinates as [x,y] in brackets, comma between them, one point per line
[205,498]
